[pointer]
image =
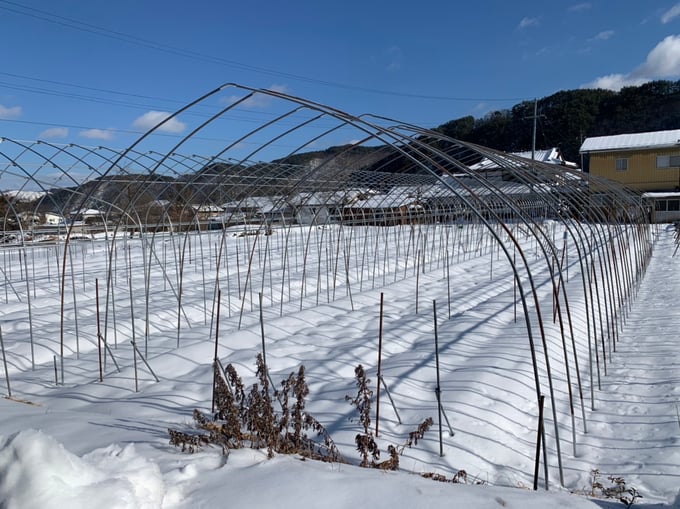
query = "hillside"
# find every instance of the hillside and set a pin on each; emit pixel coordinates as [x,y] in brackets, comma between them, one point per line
[567,117]
[564,120]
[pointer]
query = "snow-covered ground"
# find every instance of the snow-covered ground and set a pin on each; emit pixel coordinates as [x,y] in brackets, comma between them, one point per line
[83,442]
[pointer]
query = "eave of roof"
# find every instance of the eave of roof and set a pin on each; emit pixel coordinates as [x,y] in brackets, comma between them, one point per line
[634,141]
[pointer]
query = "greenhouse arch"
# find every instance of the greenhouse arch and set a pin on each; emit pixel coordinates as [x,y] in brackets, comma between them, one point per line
[267,224]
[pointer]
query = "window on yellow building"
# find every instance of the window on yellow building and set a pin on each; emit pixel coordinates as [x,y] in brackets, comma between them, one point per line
[668,161]
[622,164]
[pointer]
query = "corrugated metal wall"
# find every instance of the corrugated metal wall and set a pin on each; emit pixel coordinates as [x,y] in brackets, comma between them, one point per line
[642,173]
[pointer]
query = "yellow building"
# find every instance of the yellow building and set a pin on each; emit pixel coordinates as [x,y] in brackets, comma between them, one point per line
[642,161]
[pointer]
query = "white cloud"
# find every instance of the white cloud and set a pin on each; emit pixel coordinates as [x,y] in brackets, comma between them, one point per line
[258,100]
[579,7]
[614,82]
[54,132]
[662,62]
[671,14]
[480,109]
[8,113]
[604,35]
[394,56]
[528,22]
[151,119]
[97,134]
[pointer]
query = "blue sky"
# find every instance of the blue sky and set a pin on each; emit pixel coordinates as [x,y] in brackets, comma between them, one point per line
[100,73]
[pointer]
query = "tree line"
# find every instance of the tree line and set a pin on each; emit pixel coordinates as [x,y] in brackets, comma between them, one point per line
[567,117]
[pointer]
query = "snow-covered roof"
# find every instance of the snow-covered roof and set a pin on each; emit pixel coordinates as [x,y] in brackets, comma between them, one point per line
[264,204]
[323,198]
[659,195]
[549,156]
[206,208]
[632,141]
[86,212]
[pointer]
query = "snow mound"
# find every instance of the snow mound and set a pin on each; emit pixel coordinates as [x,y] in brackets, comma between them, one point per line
[37,472]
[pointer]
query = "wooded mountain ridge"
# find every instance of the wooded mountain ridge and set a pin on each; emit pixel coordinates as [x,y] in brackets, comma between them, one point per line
[564,120]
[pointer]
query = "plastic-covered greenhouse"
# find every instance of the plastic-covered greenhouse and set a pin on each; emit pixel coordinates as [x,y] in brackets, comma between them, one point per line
[268,236]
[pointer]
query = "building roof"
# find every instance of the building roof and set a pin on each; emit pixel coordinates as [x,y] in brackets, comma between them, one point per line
[86,212]
[661,194]
[549,156]
[632,141]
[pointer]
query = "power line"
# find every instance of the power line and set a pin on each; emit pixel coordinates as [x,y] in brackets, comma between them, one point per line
[199,113]
[94,89]
[68,95]
[136,133]
[131,39]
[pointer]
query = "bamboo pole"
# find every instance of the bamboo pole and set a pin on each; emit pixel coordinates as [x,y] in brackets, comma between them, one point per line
[4,363]
[437,389]
[217,340]
[539,435]
[380,338]
[99,330]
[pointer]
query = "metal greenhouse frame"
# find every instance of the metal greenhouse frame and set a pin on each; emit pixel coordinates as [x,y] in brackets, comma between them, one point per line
[277,235]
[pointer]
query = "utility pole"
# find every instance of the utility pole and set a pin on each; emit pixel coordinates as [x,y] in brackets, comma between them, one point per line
[535,118]
[533,135]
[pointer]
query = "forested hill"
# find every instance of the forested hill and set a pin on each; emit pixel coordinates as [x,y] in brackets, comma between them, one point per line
[567,117]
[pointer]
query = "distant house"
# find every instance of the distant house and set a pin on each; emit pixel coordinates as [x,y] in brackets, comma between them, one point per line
[53,218]
[255,209]
[206,211]
[321,207]
[400,205]
[28,218]
[79,217]
[663,207]
[642,161]
[491,168]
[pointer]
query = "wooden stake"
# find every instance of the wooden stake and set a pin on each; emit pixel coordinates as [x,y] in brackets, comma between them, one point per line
[380,335]
[539,434]
[99,331]
[4,362]
[217,339]
[437,389]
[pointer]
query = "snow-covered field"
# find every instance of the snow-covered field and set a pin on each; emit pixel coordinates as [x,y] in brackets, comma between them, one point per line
[68,439]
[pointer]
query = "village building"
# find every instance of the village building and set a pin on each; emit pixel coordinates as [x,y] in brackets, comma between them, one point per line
[642,161]
[496,168]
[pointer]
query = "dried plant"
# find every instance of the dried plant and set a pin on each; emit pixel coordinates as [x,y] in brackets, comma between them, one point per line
[260,420]
[617,488]
[419,433]
[362,401]
[186,441]
[435,476]
[293,422]
[460,477]
[229,405]
[249,419]
[365,442]
[393,462]
[243,420]
[367,449]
